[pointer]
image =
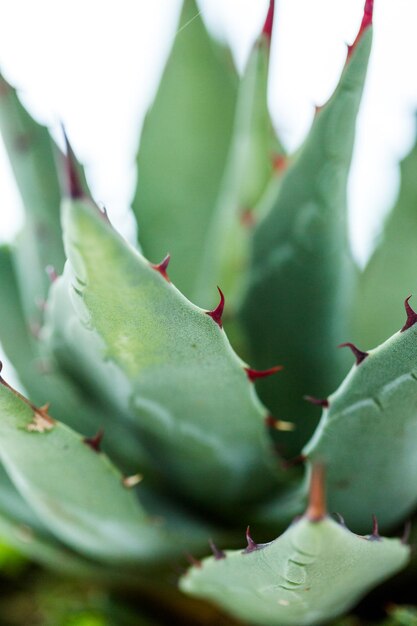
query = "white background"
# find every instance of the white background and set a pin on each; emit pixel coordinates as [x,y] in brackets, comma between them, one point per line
[95,64]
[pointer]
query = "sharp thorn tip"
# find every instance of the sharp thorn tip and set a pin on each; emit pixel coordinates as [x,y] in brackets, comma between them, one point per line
[317,509]
[411,315]
[218,554]
[216,314]
[162,267]
[358,354]
[255,374]
[317,401]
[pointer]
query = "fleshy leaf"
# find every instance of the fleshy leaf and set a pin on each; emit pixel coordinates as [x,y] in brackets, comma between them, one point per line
[367,436]
[44,382]
[77,493]
[32,155]
[296,307]
[391,274]
[313,572]
[183,149]
[162,362]
[249,169]
[14,331]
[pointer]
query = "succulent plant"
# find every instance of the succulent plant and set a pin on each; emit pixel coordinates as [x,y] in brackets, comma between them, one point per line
[154,417]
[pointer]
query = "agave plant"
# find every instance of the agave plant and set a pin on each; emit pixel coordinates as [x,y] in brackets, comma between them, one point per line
[157,418]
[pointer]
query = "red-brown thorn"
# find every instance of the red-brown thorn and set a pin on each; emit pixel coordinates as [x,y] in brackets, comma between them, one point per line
[74,188]
[255,374]
[279,163]
[366,22]
[317,401]
[359,355]
[247,218]
[162,267]
[269,21]
[317,509]
[95,442]
[290,463]
[375,536]
[411,315]
[252,545]
[216,314]
[218,554]
[193,561]
[51,273]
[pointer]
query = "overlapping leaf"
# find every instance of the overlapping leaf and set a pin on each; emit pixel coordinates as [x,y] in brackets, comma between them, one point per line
[76,492]
[32,156]
[183,149]
[116,323]
[391,274]
[367,436]
[42,379]
[250,167]
[313,572]
[296,307]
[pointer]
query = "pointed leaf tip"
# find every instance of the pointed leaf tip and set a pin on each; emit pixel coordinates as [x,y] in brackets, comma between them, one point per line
[95,442]
[317,401]
[218,554]
[366,22]
[216,314]
[269,21]
[252,545]
[411,315]
[163,266]
[359,354]
[73,185]
[317,509]
[255,374]
[279,163]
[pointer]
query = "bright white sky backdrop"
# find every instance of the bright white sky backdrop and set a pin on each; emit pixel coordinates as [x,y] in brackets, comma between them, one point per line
[95,64]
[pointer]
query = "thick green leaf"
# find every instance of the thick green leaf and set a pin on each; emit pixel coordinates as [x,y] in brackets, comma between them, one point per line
[14,507]
[249,168]
[44,382]
[296,307]
[32,156]
[77,492]
[391,273]
[15,336]
[47,552]
[367,436]
[183,149]
[117,324]
[315,571]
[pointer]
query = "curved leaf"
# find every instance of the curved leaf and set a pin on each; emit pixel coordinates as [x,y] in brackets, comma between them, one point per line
[390,275]
[76,492]
[367,436]
[183,149]
[249,169]
[313,572]
[295,311]
[163,362]
[32,155]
